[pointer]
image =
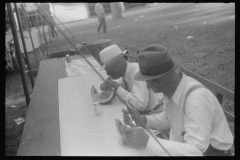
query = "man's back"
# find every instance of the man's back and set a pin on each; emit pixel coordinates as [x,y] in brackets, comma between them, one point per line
[197,104]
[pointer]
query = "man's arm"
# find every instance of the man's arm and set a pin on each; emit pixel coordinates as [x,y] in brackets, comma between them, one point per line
[110,83]
[139,98]
[158,121]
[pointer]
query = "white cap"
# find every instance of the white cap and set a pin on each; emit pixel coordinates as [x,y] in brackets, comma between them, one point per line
[108,53]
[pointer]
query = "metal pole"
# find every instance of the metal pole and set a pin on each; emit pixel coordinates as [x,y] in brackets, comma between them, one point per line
[49,34]
[38,25]
[39,33]
[19,57]
[23,42]
[44,36]
[30,34]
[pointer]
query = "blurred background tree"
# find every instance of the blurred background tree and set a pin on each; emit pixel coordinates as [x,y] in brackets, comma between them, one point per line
[116,10]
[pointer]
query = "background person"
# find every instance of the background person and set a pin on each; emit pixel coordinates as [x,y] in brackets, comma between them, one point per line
[197,123]
[99,9]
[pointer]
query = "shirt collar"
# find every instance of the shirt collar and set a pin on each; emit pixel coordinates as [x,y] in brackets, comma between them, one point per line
[177,95]
[127,73]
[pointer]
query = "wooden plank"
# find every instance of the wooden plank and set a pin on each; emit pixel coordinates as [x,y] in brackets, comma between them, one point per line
[41,133]
[217,88]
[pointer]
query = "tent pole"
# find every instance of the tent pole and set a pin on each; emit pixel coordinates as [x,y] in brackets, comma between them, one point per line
[19,57]
[23,42]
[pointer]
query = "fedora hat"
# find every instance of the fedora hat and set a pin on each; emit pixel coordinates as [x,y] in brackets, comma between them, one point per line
[154,61]
[109,53]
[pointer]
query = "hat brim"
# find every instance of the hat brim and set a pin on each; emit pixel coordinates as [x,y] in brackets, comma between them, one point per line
[140,77]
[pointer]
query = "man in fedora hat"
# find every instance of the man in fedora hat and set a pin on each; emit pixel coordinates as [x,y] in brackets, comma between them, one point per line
[193,114]
[136,93]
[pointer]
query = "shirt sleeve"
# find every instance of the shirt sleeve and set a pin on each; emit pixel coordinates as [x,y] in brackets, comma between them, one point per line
[139,97]
[119,81]
[172,147]
[198,120]
[158,121]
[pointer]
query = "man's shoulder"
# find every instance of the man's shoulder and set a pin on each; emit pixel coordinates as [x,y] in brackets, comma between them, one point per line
[133,67]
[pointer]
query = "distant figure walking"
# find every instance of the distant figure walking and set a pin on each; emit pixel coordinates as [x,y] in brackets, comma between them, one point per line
[101,17]
[52,25]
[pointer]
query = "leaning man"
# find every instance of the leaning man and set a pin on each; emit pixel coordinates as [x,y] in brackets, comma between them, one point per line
[193,114]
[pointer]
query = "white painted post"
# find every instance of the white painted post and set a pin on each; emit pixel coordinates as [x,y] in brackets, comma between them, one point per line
[15,17]
[88,12]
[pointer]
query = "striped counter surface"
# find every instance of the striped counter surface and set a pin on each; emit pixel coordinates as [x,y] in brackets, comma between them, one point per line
[82,132]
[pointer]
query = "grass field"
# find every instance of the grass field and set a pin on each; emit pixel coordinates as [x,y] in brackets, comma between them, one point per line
[210,53]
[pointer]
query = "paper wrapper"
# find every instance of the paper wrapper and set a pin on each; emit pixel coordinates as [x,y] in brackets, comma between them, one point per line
[80,66]
[19,121]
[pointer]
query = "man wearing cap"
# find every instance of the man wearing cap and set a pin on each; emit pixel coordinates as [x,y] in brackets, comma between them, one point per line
[136,93]
[193,114]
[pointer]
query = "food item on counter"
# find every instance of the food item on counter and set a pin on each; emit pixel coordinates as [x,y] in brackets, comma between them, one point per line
[104,97]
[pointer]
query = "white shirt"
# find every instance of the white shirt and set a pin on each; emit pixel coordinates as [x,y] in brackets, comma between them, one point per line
[204,123]
[140,96]
[99,9]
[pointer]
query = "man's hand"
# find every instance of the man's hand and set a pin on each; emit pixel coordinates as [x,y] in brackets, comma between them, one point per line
[140,120]
[104,86]
[110,83]
[136,137]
